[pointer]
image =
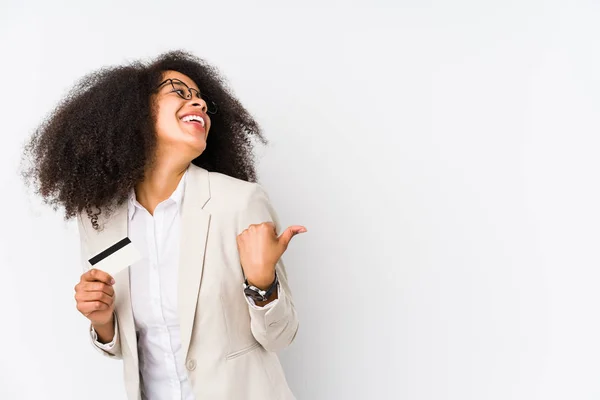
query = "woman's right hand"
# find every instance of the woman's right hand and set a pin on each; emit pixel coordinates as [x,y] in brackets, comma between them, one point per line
[95,297]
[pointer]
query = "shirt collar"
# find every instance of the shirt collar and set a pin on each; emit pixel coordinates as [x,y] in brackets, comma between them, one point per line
[176,196]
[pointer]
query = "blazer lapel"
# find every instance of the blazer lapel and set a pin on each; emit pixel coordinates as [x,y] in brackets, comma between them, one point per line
[194,233]
[125,312]
[115,229]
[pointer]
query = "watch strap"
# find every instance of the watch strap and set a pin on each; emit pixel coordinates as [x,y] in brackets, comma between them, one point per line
[258,294]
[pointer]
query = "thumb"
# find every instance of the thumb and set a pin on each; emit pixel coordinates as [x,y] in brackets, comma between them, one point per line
[289,233]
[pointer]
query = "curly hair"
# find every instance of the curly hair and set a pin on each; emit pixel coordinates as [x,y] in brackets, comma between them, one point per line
[94,147]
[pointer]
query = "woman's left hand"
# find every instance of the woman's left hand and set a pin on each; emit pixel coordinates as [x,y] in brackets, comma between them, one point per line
[260,249]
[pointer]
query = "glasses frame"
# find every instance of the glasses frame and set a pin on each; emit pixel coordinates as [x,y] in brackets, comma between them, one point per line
[188,96]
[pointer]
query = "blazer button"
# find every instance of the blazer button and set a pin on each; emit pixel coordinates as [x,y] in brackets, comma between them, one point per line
[191,364]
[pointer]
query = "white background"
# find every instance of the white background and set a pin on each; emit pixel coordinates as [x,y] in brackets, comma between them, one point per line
[443,156]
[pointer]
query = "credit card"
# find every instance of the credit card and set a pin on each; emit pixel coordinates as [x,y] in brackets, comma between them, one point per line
[116,257]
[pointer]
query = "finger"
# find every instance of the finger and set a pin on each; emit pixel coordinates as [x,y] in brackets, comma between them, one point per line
[97,287]
[295,230]
[84,297]
[98,275]
[88,307]
[270,226]
[298,229]
[289,233]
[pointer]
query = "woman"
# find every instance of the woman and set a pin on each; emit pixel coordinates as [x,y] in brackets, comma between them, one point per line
[158,157]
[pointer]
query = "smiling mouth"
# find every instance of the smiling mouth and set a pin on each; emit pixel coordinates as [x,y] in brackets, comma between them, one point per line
[196,124]
[195,120]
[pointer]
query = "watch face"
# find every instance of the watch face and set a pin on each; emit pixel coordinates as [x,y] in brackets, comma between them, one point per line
[253,295]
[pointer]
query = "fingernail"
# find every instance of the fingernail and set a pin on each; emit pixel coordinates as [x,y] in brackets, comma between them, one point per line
[302,230]
[112,281]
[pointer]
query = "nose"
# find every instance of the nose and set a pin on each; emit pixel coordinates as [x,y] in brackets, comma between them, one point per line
[200,103]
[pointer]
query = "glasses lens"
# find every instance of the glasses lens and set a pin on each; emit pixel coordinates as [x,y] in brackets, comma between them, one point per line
[181,89]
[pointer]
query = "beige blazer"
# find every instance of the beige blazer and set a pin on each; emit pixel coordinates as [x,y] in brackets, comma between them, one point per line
[230,348]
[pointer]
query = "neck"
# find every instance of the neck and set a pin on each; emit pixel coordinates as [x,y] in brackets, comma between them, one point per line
[160,181]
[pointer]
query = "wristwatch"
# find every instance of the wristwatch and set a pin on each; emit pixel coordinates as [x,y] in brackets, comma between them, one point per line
[257,294]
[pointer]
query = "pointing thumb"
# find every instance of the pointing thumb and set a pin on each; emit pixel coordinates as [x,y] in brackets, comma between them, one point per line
[289,233]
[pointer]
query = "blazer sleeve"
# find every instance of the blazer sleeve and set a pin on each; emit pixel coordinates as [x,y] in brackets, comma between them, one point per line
[273,327]
[112,349]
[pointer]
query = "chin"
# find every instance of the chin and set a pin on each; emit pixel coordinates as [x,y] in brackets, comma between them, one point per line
[198,149]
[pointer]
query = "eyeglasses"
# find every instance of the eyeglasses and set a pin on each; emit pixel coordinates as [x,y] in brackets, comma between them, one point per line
[185,92]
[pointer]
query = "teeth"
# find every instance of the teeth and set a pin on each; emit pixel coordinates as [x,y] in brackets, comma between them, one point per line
[189,118]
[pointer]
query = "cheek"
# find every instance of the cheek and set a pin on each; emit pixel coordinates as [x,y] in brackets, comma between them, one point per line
[166,122]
